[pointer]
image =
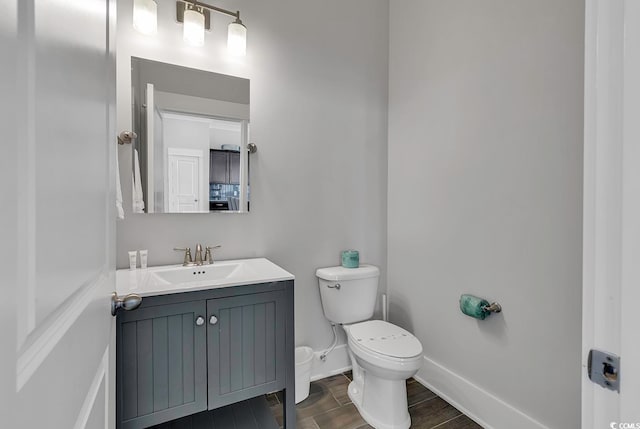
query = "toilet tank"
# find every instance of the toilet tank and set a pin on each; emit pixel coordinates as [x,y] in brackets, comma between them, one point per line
[348,294]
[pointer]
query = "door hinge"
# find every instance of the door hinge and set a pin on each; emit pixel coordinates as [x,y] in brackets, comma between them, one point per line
[604,369]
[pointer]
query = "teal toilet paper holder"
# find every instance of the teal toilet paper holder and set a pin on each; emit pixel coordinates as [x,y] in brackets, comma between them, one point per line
[478,308]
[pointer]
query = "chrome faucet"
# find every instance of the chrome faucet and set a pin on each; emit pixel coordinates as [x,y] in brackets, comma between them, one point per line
[189,262]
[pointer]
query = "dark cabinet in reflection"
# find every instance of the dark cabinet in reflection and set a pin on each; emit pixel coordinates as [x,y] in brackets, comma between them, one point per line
[234,168]
[224,167]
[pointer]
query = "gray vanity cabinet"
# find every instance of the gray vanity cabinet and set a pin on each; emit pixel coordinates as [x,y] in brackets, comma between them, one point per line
[197,353]
[245,343]
[162,364]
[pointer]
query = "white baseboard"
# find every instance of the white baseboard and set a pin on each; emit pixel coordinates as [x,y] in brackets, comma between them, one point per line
[487,410]
[337,362]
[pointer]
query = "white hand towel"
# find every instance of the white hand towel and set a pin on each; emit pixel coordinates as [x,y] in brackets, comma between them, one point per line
[138,197]
[119,209]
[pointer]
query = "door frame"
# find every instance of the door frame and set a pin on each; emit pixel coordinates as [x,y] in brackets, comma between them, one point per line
[611,234]
[150,130]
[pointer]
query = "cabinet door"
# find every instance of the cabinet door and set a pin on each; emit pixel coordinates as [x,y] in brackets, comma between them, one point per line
[234,168]
[218,167]
[161,364]
[246,346]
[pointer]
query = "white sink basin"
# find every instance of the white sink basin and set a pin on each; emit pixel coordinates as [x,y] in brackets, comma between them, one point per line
[176,278]
[202,273]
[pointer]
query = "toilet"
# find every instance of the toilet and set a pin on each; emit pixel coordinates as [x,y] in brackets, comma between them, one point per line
[383,355]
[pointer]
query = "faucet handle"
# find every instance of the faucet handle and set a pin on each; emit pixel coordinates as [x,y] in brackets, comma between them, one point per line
[187,255]
[208,256]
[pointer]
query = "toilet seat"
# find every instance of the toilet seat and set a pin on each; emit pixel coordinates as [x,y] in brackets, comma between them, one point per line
[384,340]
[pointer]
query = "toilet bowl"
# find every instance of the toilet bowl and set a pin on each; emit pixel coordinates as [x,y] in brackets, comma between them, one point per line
[388,350]
[383,355]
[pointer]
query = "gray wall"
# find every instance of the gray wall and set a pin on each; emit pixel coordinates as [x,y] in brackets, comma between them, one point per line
[485,193]
[319,117]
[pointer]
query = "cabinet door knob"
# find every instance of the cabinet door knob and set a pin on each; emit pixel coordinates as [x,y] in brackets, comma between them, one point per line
[200,321]
[213,320]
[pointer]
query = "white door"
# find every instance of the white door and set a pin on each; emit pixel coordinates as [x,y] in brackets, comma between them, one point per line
[611,273]
[58,214]
[185,181]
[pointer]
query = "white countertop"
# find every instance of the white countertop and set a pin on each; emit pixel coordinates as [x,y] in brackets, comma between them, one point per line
[147,282]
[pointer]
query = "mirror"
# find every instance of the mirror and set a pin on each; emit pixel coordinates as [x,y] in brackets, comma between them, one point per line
[191,152]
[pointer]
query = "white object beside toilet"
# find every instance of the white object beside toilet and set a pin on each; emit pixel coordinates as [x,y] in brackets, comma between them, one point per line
[304,361]
[383,355]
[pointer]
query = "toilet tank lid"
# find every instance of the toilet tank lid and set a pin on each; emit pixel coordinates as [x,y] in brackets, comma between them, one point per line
[341,273]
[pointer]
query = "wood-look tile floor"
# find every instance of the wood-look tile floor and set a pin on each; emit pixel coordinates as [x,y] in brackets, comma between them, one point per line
[329,407]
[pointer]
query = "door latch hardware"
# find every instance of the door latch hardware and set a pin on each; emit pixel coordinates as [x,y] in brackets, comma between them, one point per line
[128,302]
[604,369]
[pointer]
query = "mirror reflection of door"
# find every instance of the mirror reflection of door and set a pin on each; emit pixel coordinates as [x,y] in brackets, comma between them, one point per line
[185,194]
[219,168]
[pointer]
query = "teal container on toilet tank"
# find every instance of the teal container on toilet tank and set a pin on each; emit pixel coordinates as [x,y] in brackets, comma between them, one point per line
[350,259]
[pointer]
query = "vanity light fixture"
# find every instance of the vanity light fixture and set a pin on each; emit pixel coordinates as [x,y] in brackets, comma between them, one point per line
[145,16]
[193,19]
[237,38]
[196,17]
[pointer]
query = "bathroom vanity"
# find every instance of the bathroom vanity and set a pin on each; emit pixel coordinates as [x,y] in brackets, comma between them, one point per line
[205,346]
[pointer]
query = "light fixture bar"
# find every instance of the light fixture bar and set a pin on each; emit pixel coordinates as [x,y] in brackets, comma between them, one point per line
[206,9]
[217,9]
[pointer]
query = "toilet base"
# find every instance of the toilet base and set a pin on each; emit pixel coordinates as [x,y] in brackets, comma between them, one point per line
[381,403]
